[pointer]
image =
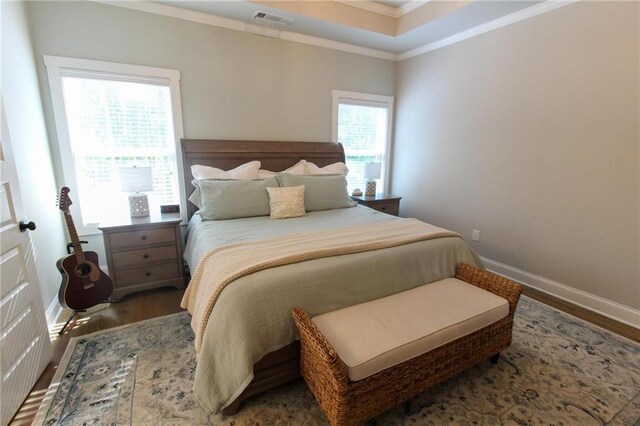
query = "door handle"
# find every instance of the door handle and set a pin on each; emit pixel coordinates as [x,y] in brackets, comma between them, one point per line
[31,226]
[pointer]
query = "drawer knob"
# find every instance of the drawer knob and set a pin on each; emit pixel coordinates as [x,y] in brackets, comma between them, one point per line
[384,208]
[147,274]
[144,237]
[146,256]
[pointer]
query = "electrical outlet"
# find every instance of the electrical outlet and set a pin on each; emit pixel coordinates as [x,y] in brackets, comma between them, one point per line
[475,235]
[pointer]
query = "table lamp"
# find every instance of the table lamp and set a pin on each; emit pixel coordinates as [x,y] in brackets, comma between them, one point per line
[136,180]
[371,172]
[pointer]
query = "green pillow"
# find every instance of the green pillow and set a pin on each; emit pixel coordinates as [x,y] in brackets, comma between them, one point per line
[230,199]
[321,192]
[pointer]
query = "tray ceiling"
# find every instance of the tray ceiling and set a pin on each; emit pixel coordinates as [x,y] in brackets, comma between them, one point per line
[339,21]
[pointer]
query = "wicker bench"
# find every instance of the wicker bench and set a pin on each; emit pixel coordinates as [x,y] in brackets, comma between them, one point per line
[368,387]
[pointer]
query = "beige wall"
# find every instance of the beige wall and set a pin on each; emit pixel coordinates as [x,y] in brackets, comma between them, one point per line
[234,85]
[530,134]
[25,121]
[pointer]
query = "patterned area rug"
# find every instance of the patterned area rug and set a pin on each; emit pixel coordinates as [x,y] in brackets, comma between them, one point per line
[559,370]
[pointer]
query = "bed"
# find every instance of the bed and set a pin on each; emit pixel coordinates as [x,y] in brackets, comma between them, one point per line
[249,345]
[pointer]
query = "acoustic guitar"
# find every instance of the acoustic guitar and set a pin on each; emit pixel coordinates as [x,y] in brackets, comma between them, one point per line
[84,284]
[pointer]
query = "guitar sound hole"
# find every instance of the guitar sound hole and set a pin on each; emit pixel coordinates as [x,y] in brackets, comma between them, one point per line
[83,269]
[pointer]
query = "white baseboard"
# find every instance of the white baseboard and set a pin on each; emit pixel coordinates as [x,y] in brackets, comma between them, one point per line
[53,312]
[597,304]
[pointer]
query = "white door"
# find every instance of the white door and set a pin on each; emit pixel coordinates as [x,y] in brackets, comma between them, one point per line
[25,345]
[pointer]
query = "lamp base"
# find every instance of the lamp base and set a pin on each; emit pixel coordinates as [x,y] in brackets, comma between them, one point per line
[370,189]
[138,205]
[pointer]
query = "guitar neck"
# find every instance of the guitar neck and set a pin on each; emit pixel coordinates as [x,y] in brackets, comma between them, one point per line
[75,240]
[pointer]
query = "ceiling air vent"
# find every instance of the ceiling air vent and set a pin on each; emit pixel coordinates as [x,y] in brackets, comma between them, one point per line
[270,18]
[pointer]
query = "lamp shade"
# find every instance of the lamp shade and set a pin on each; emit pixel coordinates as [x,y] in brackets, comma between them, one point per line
[372,170]
[136,179]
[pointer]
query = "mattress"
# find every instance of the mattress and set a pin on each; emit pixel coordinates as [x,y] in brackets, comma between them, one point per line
[203,236]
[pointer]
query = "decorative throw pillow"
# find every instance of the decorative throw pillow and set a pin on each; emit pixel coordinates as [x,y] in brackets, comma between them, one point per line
[286,202]
[338,168]
[247,171]
[322,192]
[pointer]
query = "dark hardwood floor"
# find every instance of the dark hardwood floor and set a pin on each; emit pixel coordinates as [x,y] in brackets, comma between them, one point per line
[155,303]
[133,308]
[600,320]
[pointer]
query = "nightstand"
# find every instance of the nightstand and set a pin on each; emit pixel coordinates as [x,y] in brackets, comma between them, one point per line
[385,203]
[143,253]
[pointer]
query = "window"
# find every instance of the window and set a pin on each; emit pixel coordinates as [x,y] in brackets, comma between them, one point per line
[109,116]
[362,124]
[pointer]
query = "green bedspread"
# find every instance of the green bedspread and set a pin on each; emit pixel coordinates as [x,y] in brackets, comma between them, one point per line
[253,314]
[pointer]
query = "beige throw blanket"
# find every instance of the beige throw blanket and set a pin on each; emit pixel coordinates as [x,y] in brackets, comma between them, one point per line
[221,266]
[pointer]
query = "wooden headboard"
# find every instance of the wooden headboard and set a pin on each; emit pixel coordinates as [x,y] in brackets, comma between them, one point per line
[274,155]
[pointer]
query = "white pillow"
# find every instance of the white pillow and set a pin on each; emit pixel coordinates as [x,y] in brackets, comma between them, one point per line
[245,171]
[194,198]
[265,174]
[338,168]
[300,168]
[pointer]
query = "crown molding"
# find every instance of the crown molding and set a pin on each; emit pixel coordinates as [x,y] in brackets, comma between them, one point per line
[503,21]
[382,9]
[409,7]
[371,6]
[233,24]
[177,12]
[336,45]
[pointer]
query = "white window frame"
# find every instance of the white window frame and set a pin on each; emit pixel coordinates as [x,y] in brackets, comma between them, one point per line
[58,67]
[366,99]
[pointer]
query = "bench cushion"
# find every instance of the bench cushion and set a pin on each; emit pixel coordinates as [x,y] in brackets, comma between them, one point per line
[379,334]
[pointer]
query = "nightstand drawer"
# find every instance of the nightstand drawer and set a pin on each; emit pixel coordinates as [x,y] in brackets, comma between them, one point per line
[147,274]
[143,253]
[144,256]
[389,208]
[146,237]
[385,203]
